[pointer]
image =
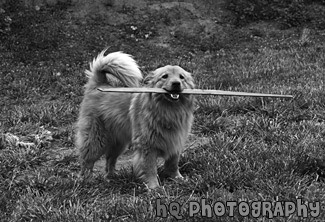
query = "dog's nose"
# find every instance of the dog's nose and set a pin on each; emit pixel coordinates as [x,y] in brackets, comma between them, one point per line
[176,85]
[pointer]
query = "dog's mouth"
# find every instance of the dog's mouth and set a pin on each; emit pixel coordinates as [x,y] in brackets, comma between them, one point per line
[172,95]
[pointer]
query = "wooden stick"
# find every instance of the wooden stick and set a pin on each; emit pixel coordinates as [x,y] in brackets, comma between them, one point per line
[193,91]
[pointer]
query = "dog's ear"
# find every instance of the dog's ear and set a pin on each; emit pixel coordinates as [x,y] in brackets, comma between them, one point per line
[148,78]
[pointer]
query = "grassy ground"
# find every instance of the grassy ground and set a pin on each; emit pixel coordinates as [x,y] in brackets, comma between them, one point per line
[254,150]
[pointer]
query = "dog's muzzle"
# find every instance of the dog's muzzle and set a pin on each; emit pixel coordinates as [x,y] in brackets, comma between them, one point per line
[174,92]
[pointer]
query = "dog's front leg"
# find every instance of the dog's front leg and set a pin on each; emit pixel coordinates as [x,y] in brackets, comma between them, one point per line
[171,167]
[86,169]
[145,166]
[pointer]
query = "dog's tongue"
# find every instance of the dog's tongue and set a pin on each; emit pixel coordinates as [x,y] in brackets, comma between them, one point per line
[174,96]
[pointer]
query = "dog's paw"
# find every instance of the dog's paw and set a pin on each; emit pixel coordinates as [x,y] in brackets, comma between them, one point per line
[174,175]
[158,191]
[152,185]
[85,175]
[108,177]
[180,179]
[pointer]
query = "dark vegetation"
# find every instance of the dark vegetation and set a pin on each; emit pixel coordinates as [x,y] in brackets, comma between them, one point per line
[290,13]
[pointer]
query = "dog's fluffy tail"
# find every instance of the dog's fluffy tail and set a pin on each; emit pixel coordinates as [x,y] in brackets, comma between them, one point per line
[113,69]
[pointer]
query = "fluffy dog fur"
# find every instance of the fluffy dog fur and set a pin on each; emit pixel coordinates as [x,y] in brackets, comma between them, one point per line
[157,125]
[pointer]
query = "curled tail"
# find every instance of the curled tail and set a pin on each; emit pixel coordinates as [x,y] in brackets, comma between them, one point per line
[112,70]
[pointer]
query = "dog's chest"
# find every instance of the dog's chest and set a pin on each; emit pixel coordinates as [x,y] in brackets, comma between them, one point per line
[167,125]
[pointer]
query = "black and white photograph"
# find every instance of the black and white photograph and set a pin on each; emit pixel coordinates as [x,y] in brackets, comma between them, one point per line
[162,110]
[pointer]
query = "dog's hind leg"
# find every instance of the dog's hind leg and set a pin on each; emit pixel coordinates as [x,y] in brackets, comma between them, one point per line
[145,167]
[171,167]
[111,157]
[88,155]
[91,144]
[110,165]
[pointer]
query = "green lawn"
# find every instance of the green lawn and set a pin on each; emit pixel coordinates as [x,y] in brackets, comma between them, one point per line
[254,149]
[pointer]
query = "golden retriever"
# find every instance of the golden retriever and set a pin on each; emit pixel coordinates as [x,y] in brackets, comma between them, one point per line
[156,125]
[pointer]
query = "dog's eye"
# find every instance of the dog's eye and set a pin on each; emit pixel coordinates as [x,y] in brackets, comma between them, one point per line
[165,76]
[181,76]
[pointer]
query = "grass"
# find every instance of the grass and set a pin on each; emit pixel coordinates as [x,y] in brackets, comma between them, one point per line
[256,150]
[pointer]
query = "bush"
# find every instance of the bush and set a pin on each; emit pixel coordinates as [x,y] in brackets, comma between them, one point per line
[290,13]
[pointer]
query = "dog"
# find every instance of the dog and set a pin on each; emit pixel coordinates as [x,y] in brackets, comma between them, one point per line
[156,125]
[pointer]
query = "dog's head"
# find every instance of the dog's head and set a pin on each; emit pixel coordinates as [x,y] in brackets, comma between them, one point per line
[173,79]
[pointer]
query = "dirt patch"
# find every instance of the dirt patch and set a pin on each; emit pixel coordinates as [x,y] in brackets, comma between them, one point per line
[201,21]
